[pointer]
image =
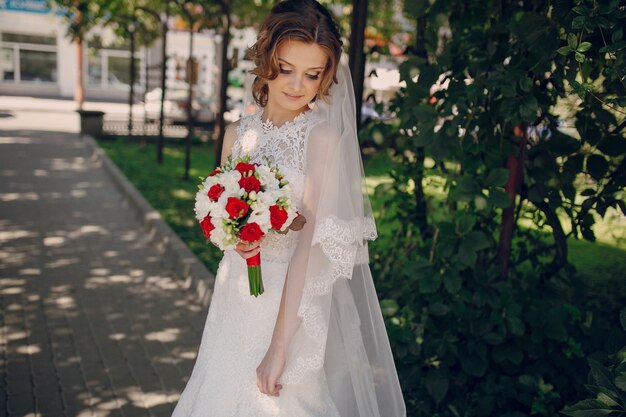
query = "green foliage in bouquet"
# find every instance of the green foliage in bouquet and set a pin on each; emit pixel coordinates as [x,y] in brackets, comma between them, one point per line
[508,142]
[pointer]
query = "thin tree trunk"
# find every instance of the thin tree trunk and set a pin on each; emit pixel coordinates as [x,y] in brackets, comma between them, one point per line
[190,80]
[163,79]
[79,89]
[420,199]
[131,93]
[220,125]
[515,165]
[355,53]
[146,88]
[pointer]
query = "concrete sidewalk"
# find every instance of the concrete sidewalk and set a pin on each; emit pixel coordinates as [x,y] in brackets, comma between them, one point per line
[92,319]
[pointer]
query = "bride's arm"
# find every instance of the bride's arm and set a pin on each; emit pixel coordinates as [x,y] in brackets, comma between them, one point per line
[229,139]
[287,321]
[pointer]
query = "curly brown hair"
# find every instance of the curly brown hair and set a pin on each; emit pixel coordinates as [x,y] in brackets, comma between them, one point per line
[295,20]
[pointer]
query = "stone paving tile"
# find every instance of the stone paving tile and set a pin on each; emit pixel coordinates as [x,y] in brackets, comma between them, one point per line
[92,320]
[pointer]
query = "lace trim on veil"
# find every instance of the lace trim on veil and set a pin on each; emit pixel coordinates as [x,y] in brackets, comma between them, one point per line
[342,243]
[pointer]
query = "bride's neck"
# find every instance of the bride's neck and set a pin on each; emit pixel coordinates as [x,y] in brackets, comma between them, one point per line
[279,117]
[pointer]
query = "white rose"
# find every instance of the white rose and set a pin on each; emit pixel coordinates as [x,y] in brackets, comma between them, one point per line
[202,205]
[262,218]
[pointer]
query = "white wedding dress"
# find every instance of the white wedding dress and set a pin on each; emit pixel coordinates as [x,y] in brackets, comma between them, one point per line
[239,327]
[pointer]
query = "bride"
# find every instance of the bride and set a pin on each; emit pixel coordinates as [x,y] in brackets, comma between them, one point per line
[314,343]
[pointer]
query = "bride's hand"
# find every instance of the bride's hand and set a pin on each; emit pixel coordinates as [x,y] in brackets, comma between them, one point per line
[268,372]
[248,250]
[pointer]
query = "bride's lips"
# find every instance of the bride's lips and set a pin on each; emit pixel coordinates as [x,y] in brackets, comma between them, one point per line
[290,97]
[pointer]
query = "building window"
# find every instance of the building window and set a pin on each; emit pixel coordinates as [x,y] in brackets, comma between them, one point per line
[38,66]
[7,66]
[109,67]
[27,58]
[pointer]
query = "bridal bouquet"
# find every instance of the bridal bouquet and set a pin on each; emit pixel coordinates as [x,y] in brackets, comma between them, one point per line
[242,202]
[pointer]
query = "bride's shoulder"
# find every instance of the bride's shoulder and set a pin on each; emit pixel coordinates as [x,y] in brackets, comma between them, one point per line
[320,129]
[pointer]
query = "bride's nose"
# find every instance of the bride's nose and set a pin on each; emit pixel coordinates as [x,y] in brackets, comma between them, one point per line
[296,82]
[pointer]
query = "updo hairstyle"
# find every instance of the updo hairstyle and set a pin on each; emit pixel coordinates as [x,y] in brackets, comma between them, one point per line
[294,20]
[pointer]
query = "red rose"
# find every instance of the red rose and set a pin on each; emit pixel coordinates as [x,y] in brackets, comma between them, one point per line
[215,192]
[250,184]
[236,208]
[278,216]
[215,171]
[251,232]
[207,226]
[244,168]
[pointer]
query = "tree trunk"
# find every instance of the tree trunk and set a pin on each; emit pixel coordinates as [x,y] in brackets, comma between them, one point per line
[190,80]
[131,93]
[420,199]
[146,88]
[79,89]
[220,125]
[163,79]
[356,55]
[515,165]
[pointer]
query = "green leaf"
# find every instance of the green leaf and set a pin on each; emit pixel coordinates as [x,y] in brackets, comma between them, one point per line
[587,408]
[564,50]
[612,146]
[516,326]
[466,253]
[584,47]
[572,41]
[497,177]
[477,240]
[579,57]
[465,223]
[526,84]
[438,309]
[578,23]
[437,384]
[499,198]
[607,400]
[452,281]
[620,382]
[429,281]
[427,77]
[389,307]
[472,363]
[597,166]
[600,375]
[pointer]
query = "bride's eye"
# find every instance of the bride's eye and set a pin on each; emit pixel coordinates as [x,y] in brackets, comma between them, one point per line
[313,76]
[284,71]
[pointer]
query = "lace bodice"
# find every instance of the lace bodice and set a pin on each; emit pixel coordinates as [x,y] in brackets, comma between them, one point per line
[284,146]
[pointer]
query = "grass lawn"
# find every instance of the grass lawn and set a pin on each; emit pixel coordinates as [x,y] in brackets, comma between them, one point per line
[163,187]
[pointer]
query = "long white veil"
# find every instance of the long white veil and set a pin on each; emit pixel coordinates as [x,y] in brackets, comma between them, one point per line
[334,326]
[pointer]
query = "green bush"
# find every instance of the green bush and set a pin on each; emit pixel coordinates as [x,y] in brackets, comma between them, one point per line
[607,384]
[508,143]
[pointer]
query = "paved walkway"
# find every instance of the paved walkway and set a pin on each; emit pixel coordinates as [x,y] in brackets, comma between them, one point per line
[92,322]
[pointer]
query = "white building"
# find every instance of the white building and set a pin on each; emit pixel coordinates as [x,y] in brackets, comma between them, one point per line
[37,58]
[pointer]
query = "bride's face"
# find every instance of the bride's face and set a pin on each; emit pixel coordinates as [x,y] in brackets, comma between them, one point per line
[301,68]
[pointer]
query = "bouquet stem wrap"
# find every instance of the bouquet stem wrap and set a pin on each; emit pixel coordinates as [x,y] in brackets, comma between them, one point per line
[254,275]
